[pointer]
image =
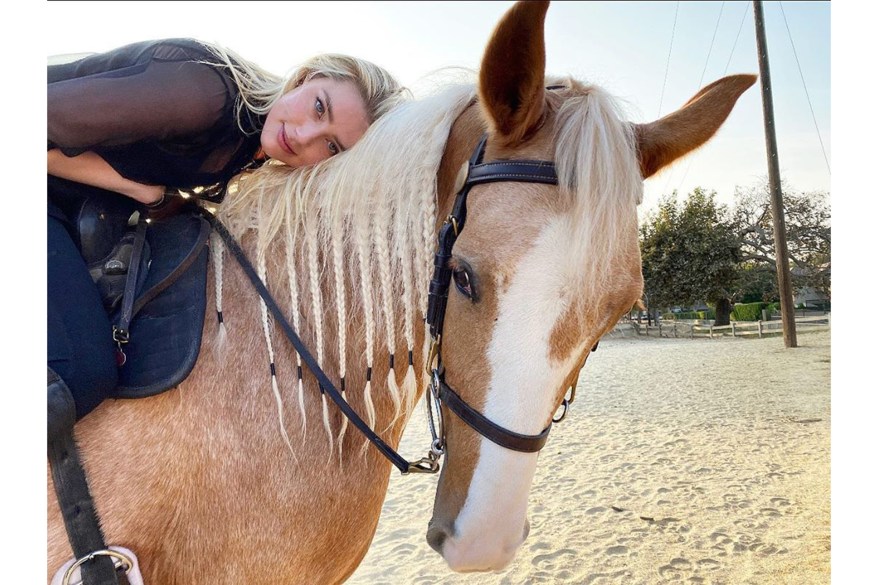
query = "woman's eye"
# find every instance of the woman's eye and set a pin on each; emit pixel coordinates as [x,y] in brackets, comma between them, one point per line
[318,105]
[333,148]
[464,284]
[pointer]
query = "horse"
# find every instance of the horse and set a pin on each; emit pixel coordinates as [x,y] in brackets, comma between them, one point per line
[246,473]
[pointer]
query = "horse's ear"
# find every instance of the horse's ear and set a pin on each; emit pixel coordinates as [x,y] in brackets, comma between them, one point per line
[513,73]
[662,142]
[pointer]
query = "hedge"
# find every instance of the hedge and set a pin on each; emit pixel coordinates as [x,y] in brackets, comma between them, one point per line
[748,311]
[702,315]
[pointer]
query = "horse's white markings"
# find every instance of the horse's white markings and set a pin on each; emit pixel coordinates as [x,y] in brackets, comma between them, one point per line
[491,523]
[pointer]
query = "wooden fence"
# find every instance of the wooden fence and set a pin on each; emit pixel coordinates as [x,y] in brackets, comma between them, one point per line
[692,329]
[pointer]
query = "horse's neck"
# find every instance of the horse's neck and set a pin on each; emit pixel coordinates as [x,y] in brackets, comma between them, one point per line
[356,329]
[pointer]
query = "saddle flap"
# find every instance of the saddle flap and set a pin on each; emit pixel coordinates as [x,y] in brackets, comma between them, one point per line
[165,334]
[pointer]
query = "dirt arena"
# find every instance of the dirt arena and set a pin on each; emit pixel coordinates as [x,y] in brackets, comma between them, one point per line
[691,461]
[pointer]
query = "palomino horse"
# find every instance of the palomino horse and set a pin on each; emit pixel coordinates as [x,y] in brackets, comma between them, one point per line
[245,474]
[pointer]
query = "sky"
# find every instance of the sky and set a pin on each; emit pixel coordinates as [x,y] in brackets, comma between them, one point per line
[651,55]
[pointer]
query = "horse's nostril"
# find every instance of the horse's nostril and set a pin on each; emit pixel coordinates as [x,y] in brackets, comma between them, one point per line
[436,538]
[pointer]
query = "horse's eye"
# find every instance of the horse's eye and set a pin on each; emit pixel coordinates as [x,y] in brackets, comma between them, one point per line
[464,283]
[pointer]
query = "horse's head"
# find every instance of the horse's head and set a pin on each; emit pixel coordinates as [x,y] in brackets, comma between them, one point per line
[541,271]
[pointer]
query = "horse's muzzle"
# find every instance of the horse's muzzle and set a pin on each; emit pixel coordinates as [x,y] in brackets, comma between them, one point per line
[467,559]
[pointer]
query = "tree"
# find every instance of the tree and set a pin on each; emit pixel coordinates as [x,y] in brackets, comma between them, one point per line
[808,223]
[690,253]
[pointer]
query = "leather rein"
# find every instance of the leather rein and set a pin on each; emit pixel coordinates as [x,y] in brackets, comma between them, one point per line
[478,172]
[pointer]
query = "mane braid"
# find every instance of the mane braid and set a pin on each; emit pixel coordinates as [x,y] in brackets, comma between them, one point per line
[292,281]
[311,245]
[383,262]
[266,328]
[365,276]
[341,310]
[217,249]
[371,210]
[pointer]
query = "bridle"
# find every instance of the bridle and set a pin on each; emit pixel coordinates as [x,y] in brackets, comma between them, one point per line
[521,171]
[478,173]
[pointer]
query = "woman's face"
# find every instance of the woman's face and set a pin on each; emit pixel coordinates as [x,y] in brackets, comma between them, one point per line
[319,119]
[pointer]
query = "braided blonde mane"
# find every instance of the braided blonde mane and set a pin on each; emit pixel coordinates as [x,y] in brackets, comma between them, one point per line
[358,230]
[358,237]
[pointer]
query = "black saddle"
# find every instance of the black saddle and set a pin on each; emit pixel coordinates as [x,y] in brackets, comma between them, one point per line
[164,316]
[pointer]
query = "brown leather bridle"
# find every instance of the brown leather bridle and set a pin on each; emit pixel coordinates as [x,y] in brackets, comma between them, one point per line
[478,173]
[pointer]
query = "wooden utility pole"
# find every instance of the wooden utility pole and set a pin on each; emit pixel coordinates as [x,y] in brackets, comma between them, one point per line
[784,281]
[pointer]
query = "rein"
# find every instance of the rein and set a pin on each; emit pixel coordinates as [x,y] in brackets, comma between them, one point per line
[424,465]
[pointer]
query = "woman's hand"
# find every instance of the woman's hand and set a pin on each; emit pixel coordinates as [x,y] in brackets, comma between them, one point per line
[90,169]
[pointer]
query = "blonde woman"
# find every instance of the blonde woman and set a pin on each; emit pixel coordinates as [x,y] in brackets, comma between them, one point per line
[177,114]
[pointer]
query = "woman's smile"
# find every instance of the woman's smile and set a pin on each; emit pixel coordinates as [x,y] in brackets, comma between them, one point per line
[283,141]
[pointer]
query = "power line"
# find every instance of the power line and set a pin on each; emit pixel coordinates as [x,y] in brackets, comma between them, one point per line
[813,117]
[668,63]
[698,87]
[710,50]
[735,44]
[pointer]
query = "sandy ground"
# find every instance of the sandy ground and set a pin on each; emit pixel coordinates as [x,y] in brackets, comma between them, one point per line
[692,461]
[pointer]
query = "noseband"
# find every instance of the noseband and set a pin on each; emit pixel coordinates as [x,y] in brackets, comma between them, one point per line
[519,171]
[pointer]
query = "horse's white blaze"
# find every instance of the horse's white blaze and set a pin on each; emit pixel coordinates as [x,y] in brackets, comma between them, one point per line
[491,524]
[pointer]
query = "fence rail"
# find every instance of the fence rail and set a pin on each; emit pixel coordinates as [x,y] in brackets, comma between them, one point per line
[674,328]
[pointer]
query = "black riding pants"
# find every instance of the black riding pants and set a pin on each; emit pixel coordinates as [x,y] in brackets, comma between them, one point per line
[80,337]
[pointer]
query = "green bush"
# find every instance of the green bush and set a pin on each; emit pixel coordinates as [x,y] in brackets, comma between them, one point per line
[748,311]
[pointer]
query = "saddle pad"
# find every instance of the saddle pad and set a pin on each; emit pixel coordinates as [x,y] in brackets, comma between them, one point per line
[165,334]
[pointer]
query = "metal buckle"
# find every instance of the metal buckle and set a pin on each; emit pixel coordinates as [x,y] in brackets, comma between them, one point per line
[123,561]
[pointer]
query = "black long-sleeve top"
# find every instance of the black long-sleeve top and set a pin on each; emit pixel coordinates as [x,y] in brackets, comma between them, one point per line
[155,111]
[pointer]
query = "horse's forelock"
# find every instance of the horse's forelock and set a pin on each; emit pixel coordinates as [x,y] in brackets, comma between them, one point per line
[597,166]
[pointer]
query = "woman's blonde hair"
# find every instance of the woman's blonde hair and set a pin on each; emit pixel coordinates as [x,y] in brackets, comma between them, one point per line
[259,90]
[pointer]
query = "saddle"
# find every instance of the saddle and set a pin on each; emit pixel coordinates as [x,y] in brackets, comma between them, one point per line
[160,264]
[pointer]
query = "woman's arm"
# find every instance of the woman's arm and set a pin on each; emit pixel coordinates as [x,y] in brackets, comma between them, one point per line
[91,169]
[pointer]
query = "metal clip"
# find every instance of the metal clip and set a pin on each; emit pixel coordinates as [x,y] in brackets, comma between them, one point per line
[120,336]
[434,353]
[428,464]
[453,221]
[565,404]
